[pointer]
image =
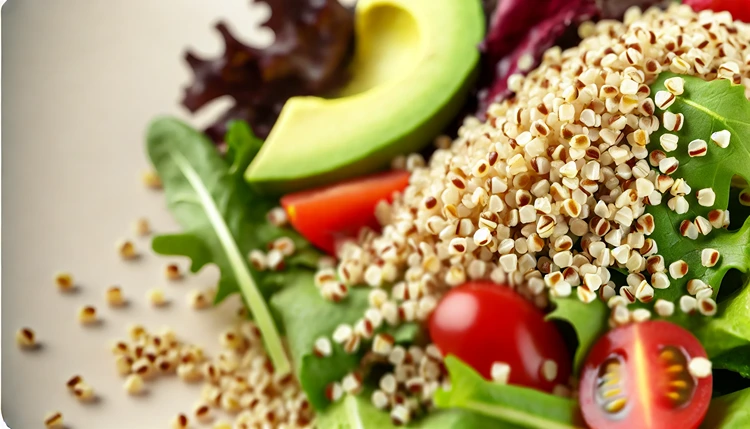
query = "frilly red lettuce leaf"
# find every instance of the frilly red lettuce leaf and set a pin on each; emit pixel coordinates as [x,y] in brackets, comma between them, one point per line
[308,57]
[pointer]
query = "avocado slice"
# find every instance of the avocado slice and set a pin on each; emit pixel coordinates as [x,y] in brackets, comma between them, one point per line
[413,66]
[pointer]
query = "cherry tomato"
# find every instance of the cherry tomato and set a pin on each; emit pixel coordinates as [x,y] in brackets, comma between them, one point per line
[482,323]
[636,376]
[738,8]
[325,215]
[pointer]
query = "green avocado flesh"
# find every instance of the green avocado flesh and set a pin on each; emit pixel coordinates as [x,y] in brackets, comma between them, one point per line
[413,66]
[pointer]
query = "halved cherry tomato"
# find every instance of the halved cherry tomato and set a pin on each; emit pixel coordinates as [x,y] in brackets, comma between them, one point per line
[636,376]
[738,8]
[325,215]
[482,323]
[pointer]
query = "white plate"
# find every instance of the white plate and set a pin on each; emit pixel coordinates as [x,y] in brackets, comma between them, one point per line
[81,79]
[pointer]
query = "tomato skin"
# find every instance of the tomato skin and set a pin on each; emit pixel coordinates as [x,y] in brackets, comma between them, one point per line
[482,323]
[325,215]
[738,8]
[641,352]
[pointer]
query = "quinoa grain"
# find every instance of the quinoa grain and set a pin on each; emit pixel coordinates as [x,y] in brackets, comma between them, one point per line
[141,227]
[114,297]
[156,297]
[87,315]
[64,281]
[54,420]
[26,338]
[172,272]
[180,421]
[134,384]
[151,179]
[126,249]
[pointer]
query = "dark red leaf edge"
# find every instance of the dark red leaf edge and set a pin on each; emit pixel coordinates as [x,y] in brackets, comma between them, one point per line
[312,46]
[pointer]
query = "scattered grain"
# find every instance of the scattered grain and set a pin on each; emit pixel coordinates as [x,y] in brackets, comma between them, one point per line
[134,384]
[26,338]
[126,249]
[141,227]
[151,179]
[87,315]
[180,421]
[156,297]
[64,281]
[172,272]
[54,420]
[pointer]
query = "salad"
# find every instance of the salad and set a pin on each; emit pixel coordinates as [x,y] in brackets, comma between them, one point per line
[463,215]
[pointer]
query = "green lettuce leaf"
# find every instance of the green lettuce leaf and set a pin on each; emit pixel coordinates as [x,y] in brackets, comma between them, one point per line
[357,412]
[306,316]
[588,320]
[730,411]
[707,107]
[515,405]
[726,336]
[222,219]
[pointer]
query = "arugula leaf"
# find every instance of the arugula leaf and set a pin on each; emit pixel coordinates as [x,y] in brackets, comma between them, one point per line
[707,107]
[517,405]
[729,411]
[222,219]
[357,412]
[588,320]
[306,316]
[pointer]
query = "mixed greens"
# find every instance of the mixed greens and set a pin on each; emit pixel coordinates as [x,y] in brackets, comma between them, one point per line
[224,219]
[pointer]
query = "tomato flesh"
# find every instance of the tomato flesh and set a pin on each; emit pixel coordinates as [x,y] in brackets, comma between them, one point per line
[636,376]
[738,8]
[325,215]
[482,323]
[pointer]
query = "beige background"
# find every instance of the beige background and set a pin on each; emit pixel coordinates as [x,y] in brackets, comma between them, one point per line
[80,79]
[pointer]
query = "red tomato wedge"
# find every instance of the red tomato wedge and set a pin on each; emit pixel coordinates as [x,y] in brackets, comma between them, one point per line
[325,215]
[482,323]
[637,376]
[738,8]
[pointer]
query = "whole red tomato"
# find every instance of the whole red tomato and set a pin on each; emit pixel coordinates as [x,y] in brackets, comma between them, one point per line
[482,323]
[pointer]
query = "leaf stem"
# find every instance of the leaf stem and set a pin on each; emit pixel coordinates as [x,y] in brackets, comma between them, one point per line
[515,416]
[258,307]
